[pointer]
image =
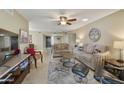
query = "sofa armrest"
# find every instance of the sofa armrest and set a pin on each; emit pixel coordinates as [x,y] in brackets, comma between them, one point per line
[102,56]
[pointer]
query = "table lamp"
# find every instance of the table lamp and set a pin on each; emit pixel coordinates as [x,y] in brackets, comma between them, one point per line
[119,45]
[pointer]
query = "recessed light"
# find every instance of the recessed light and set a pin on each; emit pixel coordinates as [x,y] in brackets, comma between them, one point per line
[85,19]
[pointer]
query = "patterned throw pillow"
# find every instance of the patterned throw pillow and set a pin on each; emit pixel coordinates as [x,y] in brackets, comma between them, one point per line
[88,48]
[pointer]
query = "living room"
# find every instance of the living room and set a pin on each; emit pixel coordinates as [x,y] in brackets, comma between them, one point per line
[68,44]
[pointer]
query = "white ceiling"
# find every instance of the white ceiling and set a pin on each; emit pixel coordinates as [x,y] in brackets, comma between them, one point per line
[45,20]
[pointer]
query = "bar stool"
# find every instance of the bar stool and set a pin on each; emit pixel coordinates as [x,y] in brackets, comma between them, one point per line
[32,52]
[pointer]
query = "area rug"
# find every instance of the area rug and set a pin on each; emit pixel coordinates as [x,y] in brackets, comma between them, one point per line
[58,74]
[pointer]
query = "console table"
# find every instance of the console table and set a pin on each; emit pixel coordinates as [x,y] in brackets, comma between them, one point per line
[10,65]
[87,63]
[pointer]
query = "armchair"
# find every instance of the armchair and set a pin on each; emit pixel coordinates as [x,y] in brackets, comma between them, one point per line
[90,54]
[105,77]
[81,71]
[32,52]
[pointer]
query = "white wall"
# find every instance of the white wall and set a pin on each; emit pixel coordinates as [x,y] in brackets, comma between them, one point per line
[58,38]
[65,38]
[111,27]
[7,42]
[1,41]
[13,23]
[37,40]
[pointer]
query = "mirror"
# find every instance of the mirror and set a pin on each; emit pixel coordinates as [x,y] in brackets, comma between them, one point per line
[8,43]
[8,40]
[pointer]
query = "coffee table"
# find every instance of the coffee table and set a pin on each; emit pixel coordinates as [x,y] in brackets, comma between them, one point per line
[84,61]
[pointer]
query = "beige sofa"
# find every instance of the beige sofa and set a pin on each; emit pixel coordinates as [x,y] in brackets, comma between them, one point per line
[59,49]
[89,54]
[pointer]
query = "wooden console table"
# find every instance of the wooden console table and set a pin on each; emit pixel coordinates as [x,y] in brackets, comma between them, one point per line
[87,63]
[15,61]
[115,64]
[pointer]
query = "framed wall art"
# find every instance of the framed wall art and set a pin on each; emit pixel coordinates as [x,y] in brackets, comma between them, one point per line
[94,34]
[23,36]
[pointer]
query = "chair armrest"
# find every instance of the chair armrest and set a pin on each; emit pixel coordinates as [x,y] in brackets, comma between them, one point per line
[107,53]
[113,80]
[8,55]
[102,56]
[108,75]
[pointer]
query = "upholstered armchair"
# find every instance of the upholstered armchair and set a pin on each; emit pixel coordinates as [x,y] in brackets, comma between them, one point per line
[105,77]
[89,54]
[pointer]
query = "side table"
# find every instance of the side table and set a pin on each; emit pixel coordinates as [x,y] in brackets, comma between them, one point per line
[114,66]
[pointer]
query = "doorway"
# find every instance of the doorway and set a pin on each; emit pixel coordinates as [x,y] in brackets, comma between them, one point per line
[14,42]
[48,41]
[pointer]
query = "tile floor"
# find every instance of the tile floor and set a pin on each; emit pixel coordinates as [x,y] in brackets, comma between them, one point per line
[40,75]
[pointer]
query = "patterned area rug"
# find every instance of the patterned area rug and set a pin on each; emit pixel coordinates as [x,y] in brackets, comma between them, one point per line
[58,74]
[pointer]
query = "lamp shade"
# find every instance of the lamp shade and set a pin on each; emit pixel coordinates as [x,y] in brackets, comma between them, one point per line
[118,44]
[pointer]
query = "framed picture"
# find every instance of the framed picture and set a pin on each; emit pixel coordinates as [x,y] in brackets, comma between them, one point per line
[94,34]
[23,36]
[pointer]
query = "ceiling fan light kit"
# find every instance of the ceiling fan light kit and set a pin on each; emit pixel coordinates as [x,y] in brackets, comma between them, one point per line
[63,20]
[63,23]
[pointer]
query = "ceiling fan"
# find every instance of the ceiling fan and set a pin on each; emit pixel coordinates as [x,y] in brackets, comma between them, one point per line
[64,20]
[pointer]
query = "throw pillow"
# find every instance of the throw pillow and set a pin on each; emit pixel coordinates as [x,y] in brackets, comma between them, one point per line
[90,48]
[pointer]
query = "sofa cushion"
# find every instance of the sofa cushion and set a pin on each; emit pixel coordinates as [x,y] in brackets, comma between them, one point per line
[83,55]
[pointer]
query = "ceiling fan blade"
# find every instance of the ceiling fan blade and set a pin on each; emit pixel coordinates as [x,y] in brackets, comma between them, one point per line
[74,19]
[68,23]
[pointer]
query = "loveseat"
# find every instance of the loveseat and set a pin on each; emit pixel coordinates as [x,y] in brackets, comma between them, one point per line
[59,49]
[89,54]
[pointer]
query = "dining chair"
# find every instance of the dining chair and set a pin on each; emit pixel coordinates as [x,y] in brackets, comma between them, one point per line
[32,53]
